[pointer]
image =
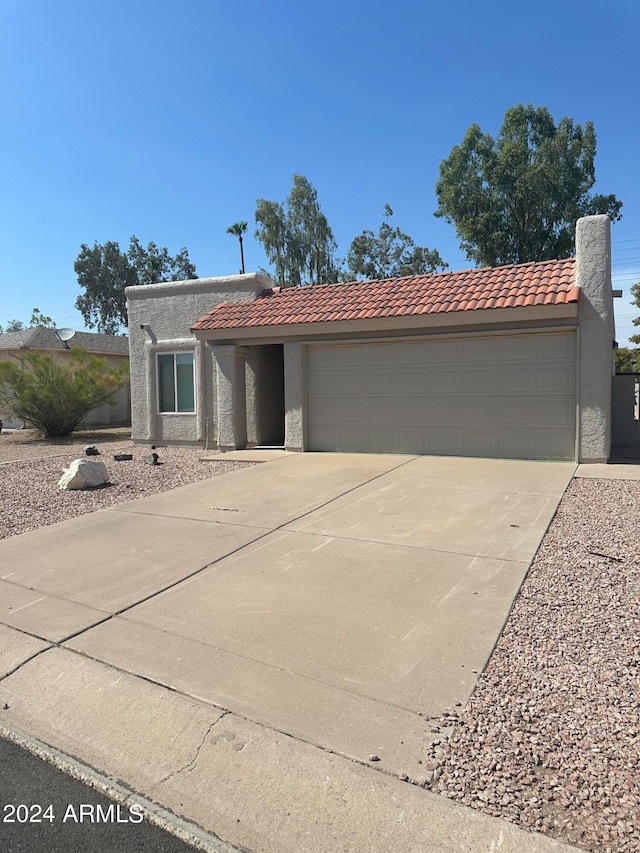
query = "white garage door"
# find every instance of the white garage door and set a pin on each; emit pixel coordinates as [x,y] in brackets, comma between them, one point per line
[510,396]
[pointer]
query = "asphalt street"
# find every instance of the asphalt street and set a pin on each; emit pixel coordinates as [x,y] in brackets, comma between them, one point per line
[43,808]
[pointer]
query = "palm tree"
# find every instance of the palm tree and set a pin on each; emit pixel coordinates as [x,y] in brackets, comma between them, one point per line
[238,228]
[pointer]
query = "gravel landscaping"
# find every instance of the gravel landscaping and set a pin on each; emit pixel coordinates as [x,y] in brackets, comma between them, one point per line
[550,739]
[30,469]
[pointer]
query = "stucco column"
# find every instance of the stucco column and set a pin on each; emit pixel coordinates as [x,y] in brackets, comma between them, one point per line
[252,379]
[596,336]
[294,383]
[231,394]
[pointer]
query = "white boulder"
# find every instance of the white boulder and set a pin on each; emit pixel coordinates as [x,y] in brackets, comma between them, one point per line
[84,474]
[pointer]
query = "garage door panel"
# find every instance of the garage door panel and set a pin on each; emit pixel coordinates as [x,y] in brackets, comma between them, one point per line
[382,412]
[514,348]
[318,413]
[477,411]
[442,381]
[493,395]
[325,383]
[379,355]
[478,442]
[415,355]
[444,411]
[559,347]
[380,440]
[445,352]
[351,439]
[412,382]
[412,412]
[349,383]
[326,437]
[555,444]
[517,380]
[475,350]
[350,412]
[381,381]
[516,412]
[411,440]
[558,378]
[555,411]
[346,357]
[516,443]
[444,442]
[479,381]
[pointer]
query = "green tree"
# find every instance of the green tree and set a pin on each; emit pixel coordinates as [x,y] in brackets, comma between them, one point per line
[627,360]
[238,229]
[271,219]
[37,319]
[390,253]
[54,396]
[40,319]
[635,292]
[297,238]
[517,197]
[104,271]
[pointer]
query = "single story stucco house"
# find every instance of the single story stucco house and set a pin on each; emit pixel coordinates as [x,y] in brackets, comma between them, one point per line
[113,348]
[514,361]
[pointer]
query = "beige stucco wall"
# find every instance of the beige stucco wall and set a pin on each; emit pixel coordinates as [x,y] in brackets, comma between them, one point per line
[160,320]
[596,337]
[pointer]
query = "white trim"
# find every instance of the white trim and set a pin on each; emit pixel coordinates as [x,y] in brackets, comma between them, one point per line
[190,351]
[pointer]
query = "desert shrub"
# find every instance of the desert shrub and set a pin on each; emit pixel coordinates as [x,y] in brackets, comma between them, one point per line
[54,396]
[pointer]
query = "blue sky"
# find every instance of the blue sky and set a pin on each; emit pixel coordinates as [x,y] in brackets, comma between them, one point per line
[168,120]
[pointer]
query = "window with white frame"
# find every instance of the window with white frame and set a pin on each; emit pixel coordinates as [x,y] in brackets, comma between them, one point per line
[175,382]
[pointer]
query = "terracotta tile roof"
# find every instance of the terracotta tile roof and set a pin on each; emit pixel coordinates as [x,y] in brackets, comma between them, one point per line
[513,286]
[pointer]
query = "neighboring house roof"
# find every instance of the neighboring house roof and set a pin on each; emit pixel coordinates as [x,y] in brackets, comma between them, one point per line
[41,338]
[513,286]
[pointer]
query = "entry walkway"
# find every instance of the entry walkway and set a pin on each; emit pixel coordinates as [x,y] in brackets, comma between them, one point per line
[263,653]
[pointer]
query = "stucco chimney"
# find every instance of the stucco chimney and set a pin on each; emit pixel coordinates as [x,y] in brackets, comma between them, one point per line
[595,338]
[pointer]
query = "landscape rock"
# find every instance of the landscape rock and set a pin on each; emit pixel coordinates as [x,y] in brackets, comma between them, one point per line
[123,457]
[91,450]
[84,474]
[151,459]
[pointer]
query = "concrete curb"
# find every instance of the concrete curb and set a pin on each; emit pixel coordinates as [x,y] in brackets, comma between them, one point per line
[111,787]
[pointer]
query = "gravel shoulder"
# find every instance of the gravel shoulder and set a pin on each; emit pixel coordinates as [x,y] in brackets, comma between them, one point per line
[550,739]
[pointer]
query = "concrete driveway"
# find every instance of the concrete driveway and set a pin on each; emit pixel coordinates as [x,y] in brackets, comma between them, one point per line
[315,608]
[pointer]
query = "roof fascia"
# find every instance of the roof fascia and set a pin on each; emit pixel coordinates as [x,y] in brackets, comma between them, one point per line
[412,323]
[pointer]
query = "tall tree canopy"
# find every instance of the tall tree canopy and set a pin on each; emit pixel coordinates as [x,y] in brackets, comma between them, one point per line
[390,253]
[297,238]
[37,319]
[104,271]
[635,292]
[238,229]
[627,358]
[517,197]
